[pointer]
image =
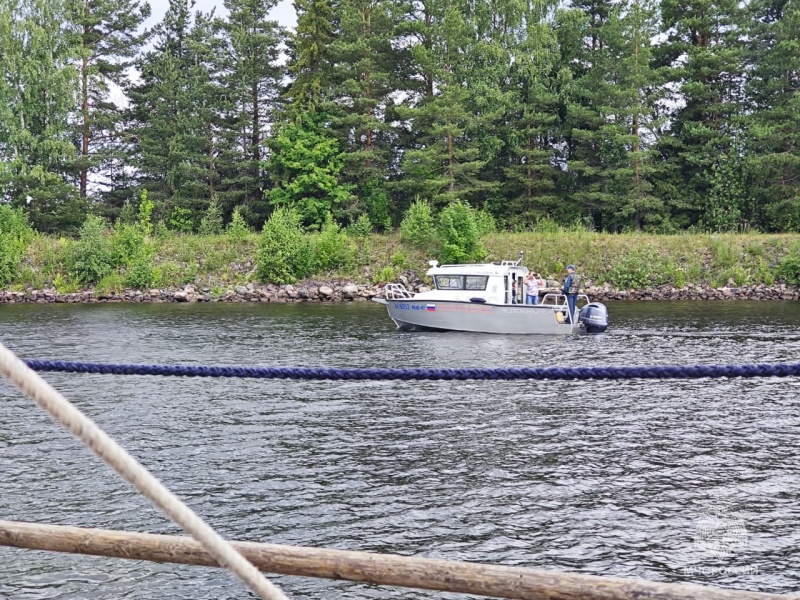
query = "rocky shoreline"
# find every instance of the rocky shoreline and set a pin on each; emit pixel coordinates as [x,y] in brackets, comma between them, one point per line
[339,291]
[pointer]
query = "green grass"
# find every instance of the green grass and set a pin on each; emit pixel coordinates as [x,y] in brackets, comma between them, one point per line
[624,261]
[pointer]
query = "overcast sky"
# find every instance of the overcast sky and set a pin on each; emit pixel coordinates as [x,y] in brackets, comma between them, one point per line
[283,13]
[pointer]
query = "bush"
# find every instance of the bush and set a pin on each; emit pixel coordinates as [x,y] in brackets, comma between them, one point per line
[417,228]
[140,273]
[90,258]
[385,275]
[237,228]
[280,248]
[126,242]
[640,269]
[788,269]
[485,222]
[362,228]
[15,234]
[211,223]
[333,249]
[180,220]
[459,235]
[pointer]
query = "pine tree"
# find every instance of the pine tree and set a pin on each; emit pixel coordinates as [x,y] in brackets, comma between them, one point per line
[176,114]
[703,56]
[365,61]
[310,63]
[251,93]
[533,127]
[773,124]
[445,164]
[106,33]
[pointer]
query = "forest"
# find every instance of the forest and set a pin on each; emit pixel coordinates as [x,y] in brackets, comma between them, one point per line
[629,115]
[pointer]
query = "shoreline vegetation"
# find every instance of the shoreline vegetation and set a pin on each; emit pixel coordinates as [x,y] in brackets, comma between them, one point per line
[231,268]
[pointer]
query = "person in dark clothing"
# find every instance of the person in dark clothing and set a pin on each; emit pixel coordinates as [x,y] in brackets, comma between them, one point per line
[572,285]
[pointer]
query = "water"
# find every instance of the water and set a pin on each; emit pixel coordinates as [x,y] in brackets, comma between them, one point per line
[608,478]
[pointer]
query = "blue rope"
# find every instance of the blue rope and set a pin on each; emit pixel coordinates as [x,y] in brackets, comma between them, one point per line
[320,373]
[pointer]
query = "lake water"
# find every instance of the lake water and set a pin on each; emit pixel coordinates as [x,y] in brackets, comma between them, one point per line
[609,478]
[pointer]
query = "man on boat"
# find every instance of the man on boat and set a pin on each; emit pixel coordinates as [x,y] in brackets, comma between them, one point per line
[571,288]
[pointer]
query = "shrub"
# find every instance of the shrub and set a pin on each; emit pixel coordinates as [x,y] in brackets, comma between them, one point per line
[180,220]
[90,258]
[640,268]
[459,235]
[279,257]
[110,283]
[161,230]
[362,228]
[546,225]
[788,269]
[145,214]
[211,223]
[399,260]
[140,273]
[333,249]
[485,222]
[237,228]
[126,241]
[15,235]
[385,275]
[417,227]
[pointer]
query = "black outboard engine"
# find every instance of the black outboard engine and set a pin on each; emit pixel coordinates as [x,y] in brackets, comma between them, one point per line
[594,317]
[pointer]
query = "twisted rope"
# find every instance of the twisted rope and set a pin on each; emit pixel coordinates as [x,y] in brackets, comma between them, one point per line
[128,467]
[321,373]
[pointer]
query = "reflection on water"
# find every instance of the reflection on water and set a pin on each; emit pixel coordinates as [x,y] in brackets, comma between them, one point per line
[591,476]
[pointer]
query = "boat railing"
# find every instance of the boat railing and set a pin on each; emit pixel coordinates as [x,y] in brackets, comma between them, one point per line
[554,300]
[397,291]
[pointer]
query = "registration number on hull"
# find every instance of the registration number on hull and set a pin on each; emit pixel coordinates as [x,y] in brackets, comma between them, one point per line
[405,306]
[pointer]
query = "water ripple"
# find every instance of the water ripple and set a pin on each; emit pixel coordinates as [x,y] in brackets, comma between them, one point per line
[596,477]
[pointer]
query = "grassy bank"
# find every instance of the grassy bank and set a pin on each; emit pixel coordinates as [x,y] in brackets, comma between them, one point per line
[625,261]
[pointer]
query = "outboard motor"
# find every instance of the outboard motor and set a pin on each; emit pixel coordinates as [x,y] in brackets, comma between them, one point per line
[594,317]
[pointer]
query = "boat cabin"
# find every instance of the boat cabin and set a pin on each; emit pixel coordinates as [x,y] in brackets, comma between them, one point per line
[492,282]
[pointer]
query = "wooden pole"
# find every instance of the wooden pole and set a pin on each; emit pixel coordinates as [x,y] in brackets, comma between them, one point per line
[385,569]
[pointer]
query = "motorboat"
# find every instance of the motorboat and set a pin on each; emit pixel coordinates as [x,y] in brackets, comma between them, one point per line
[480,298]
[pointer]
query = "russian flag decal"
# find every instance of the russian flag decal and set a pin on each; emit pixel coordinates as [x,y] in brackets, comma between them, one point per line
[431,307]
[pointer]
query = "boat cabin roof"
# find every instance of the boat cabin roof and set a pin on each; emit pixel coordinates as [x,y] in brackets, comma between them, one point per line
[486,269]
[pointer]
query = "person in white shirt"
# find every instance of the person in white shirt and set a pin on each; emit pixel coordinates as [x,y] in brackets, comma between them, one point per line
[532,283]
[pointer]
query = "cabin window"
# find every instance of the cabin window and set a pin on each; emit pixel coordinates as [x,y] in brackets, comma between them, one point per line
[449,282]
[476,282]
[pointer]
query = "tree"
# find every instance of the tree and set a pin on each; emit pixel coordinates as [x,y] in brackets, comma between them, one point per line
[772,139]
[310,62]
[250,83]
[365,62]
[532,118]
[304,166]
[37,98]
[704,60]
[175,107]
[105,31]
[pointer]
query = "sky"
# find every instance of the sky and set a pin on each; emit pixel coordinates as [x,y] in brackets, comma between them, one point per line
[283,13]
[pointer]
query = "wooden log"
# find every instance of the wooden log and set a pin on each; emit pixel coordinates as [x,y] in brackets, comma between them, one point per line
[384,569]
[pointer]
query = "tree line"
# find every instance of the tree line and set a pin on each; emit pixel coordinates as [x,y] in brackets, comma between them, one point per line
[627,115]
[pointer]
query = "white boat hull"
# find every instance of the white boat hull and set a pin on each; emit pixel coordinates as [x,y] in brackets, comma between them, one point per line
[449,315]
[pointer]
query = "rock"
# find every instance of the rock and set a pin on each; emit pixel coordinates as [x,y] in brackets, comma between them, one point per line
[350,289]
[241,290]
[181,296]
[326,291]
